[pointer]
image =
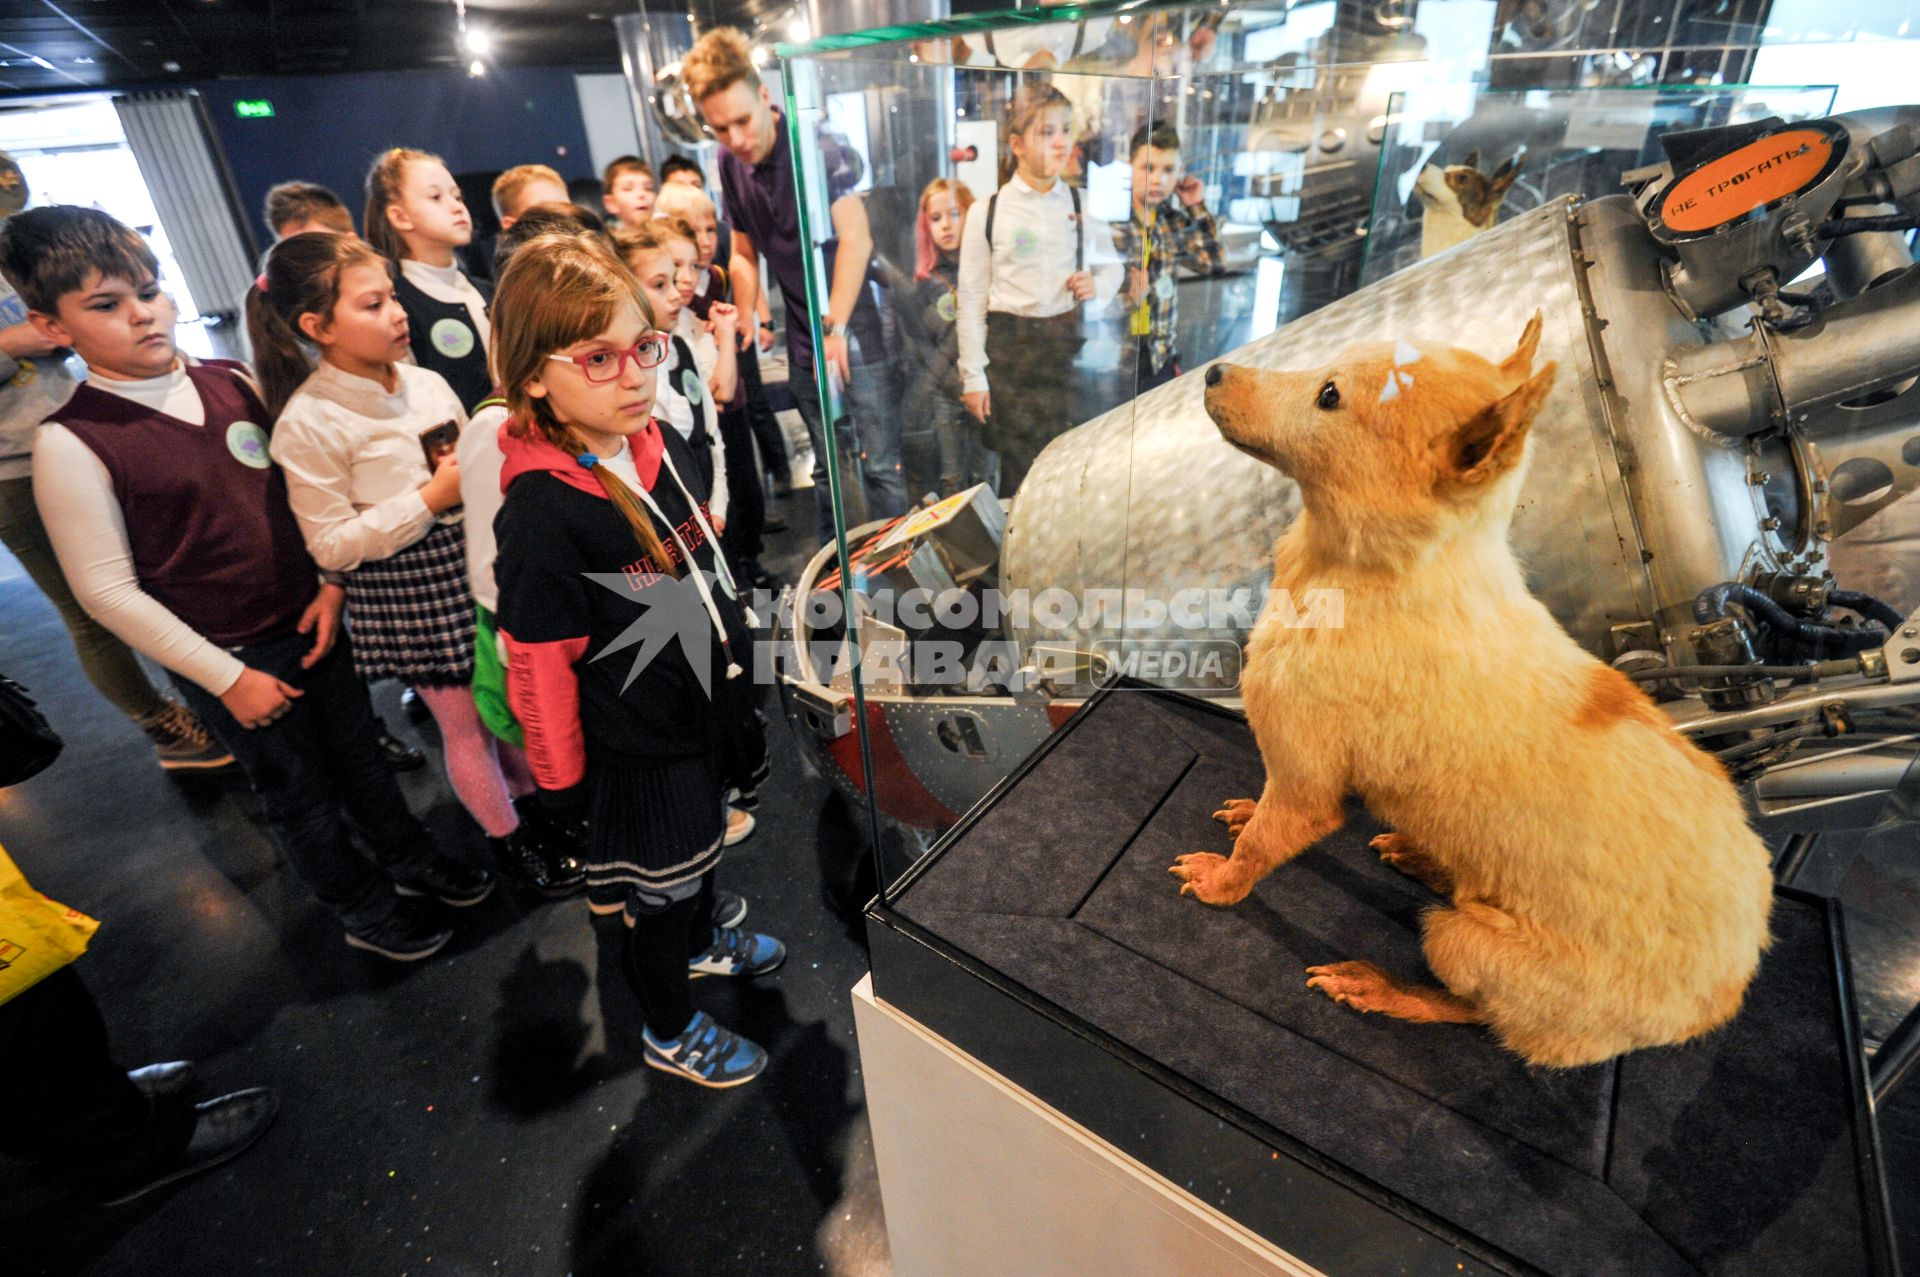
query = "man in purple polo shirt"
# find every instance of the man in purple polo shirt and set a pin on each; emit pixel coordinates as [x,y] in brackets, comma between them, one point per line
[756,177]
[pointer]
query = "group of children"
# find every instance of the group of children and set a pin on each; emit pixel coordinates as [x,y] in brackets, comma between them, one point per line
[428,478]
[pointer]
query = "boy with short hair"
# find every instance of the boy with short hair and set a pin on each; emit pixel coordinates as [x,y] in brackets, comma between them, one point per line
[627,190]
[294,208]
[678,168]
[171,523]
[1170,225]
[521,187]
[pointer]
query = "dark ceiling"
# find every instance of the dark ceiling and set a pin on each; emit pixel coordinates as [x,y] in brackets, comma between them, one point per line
[63,45]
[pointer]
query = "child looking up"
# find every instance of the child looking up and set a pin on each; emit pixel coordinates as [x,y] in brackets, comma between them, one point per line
[1029,260]
[417,218]
[171,522]
[367,441]
[627,190]
[603,527]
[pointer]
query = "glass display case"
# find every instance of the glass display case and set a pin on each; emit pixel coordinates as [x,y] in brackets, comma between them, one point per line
[1020,647]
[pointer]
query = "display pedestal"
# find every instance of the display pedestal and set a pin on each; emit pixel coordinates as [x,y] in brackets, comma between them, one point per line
[978,1176]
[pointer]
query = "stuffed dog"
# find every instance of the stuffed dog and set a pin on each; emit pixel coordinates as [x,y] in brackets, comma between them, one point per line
[1459,201]
[1606,890]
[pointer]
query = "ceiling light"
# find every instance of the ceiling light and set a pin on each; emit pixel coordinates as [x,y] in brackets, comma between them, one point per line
[40,62]
[479,43]
[799,31]
[476,69]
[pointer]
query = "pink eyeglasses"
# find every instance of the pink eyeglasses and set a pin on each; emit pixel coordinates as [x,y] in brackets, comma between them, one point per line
[603,366]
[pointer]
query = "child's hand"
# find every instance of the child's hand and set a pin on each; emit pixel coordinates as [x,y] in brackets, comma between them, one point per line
[1080,283]
[322,620]
[1136,284]
[442,492]
[258,699]
[723,318]
[1191,191]
[977,404]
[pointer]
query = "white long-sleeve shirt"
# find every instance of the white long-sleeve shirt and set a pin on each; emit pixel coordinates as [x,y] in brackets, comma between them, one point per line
[89,535]
[480,497]
[354,465]
[1026,272]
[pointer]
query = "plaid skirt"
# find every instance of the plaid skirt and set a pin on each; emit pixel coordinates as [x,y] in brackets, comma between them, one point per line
[411,615]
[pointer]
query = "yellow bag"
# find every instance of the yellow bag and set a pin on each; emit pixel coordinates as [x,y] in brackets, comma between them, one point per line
[37,936]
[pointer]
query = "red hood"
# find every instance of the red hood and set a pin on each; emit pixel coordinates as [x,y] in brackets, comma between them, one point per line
[527,456]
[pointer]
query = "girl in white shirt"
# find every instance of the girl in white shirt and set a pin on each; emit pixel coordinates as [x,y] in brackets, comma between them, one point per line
[352,436]
[417,217]
[1030,258]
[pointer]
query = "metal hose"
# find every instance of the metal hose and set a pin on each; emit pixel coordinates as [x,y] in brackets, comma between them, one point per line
[1808,638]
[1868,606]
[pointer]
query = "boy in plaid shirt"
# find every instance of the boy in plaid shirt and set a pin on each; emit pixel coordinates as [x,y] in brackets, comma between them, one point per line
[1170,225]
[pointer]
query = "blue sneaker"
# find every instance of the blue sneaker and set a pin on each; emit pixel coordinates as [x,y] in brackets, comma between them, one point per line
[707,1054]
[737,952]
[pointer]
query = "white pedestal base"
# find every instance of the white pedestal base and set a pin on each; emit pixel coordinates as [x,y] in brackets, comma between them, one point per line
[979,1177]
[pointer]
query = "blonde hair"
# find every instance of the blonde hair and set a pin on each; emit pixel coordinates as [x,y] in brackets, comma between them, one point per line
[302,277]
[720,59]
[677,199]
[558,290]
[384,179]
[508,186]
[1031,100]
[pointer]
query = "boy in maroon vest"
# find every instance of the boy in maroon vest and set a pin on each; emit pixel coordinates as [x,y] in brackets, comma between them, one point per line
[171,523]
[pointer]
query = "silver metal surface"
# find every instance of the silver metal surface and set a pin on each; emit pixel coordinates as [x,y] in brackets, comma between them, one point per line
[1148,497]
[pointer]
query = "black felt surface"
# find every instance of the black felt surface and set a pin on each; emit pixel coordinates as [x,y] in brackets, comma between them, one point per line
[1732,1155]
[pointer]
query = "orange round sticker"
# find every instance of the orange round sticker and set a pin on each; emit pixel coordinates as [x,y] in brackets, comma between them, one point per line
[1757,174]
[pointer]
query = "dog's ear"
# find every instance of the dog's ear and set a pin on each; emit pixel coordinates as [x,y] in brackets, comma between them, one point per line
[1473,159]
[1516,365]
[1488,444]
[1504,177]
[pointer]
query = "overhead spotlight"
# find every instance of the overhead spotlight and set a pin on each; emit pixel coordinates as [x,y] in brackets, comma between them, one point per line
[760,55]
[479,43]
[799,31]
[476,69]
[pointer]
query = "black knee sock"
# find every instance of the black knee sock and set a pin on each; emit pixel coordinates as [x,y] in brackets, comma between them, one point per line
[700,933]
[657,954]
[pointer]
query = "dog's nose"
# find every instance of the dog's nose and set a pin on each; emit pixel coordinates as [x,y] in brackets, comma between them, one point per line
[1215,373]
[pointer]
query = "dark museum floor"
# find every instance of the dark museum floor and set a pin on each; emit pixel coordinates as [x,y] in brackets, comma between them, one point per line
[485,1112]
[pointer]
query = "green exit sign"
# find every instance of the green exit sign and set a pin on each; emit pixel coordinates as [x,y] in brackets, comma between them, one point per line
[253,108]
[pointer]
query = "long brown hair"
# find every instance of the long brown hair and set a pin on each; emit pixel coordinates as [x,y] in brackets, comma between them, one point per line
[384,179]
[302,277]
[558,290]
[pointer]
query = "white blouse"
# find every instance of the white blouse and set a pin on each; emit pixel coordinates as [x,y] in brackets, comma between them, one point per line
[354,465]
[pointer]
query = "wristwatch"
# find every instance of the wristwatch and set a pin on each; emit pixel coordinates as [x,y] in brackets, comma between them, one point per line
[767,324]
[836,330]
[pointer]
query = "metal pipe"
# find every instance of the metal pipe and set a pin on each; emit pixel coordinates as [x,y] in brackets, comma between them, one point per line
[1740,387]
[1793,856]
[1893,1062]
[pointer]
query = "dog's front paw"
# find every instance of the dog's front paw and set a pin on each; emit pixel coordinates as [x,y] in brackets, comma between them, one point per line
[1360,985]
[1234,814]
[1211,878]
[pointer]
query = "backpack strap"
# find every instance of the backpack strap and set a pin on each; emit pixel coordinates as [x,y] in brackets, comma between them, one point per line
[992,201]
[1079,232]
[495,402]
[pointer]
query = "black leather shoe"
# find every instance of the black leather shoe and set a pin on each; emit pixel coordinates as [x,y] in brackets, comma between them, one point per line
[163,1081]
[405,935]
[774,525]
[527,857]
[400,756]
[448,881]
[415,708]
[223,1129]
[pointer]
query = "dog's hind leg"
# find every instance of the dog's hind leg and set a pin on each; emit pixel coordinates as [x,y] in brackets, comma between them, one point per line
[1365,987]
[1415,861]
[1235,813]
[1276,832]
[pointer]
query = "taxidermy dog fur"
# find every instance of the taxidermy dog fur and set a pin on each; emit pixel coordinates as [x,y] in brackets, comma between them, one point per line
[1606,892]
[1459,201]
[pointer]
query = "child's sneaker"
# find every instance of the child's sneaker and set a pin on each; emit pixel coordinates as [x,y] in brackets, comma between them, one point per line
[405,935]
[182,742]
[737,952]
[707,1054]
[739,827]
[447,881]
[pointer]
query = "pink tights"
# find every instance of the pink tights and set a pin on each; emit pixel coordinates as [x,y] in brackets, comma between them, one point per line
[487,773]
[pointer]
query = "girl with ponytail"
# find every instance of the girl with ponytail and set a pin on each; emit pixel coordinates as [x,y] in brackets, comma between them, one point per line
[366,441]
[626,640]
